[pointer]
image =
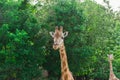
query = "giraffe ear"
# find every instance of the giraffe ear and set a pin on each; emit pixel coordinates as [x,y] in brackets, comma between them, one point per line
[51,33]
[65,34]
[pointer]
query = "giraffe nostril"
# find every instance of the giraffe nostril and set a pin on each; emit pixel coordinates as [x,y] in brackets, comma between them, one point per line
[55,44]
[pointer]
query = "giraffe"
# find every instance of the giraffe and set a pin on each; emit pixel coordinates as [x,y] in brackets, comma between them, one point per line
[112,75]
[58,38]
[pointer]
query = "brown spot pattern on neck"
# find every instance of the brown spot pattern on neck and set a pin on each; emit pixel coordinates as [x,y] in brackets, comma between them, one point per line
[112,75]
[66,76]
[64,63]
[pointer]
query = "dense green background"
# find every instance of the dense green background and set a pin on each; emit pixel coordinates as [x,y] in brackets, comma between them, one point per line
[26,46]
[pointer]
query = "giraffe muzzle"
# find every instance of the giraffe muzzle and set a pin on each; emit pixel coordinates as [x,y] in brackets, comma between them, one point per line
[55,46]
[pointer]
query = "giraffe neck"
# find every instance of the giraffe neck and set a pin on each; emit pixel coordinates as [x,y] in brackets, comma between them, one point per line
[111,67]
[65,72]
[63,57]
[111,71]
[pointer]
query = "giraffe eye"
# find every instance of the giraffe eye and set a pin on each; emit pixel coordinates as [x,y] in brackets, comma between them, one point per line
[62,37]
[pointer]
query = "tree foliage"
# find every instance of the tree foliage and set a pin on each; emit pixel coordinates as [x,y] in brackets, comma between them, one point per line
[26,47]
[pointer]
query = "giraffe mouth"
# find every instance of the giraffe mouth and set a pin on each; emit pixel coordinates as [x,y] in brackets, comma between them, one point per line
[55,47]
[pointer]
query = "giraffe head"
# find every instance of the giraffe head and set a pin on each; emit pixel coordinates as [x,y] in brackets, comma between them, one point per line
[58,37]
[110,57]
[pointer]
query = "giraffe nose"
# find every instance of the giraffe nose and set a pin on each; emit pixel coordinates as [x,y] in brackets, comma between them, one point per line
[55,44]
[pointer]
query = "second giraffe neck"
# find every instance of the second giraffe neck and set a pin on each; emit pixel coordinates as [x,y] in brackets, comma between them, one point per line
[63,57]
[111,68]
[112,75]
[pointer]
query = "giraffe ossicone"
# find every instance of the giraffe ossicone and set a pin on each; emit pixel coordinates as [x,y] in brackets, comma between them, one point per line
[58,38]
